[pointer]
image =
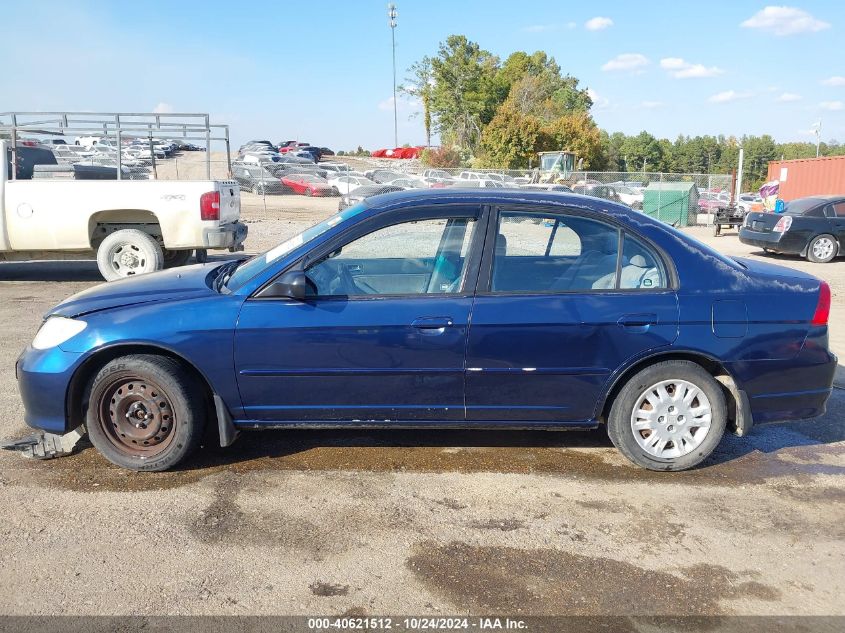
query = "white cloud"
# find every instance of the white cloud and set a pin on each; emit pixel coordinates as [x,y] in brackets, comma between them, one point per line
[679,68]
[599,102]
[626,61]
[728,96]
[598,23]
[788,96]
[784,21]
[571,25]
[163,108]
[836,80]
[833,106]
[651,105]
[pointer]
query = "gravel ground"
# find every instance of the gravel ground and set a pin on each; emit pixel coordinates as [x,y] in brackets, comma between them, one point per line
[359,522]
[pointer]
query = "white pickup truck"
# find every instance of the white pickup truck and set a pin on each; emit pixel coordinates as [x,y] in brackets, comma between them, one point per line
[133,226]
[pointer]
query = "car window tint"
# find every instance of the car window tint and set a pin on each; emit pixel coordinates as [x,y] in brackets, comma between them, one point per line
[839,209]
[538,253]
[421,257]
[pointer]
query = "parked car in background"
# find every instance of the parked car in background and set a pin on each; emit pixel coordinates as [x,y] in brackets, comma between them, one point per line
[383,176]
[598,191]
[539,186]
[749,202]
[584,315]
[709,201]
[437,175]
[307,185]
[632,197]
[410,183]
[131,227]
[325,151]
[810,227]
[257,178]
[362,193]
[342,183]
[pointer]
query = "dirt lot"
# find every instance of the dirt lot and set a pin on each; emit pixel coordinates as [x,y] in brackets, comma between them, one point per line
[427,523]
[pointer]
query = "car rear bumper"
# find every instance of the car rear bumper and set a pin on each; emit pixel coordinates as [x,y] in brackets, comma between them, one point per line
[229,236]
[789,389]
[779,242]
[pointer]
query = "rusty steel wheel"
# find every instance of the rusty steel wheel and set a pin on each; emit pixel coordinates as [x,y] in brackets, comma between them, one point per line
[146,412]
[137,416]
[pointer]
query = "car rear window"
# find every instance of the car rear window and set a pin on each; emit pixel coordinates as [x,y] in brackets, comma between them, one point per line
[802,206]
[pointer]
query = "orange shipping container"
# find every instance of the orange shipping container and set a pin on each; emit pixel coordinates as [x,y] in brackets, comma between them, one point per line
[809,176]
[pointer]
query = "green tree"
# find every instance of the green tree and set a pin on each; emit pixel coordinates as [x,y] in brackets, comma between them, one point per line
[576,132]
[464,97]
[642,152]
[420,84]
[510,140]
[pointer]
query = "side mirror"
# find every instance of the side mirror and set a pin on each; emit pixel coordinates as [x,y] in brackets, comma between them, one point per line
[292,285]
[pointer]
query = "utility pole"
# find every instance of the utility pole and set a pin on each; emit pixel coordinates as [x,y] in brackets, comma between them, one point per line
[817,130]
[739,174]
[391,14]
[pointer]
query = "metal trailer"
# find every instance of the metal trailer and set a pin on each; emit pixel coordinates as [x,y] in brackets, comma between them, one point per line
[119,126]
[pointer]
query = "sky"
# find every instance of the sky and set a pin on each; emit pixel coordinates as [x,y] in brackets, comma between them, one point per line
[321,71]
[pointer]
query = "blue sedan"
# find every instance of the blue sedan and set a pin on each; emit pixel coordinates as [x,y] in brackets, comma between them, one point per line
[442,309]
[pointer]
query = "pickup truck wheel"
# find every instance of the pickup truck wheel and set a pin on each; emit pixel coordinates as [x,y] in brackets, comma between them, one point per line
[669,416]
[822,249]
[173,259]
[145,412]
[127,253]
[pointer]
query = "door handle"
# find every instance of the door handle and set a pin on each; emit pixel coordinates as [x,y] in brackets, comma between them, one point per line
[432,324]
[637,322]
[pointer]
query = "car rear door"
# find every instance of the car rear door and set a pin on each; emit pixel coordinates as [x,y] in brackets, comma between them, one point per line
[557,312]
[835,211]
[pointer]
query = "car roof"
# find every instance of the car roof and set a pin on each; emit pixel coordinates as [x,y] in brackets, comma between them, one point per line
[413,197]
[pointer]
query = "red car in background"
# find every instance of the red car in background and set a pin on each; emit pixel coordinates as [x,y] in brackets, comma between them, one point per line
[307,185]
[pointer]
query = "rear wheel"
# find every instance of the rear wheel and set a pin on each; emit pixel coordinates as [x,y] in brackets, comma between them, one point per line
[127,253]
[145,412]
[669,416]
[822,249]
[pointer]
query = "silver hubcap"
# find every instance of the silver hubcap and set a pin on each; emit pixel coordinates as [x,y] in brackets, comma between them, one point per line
[127,259]
[671,418]
[823,248]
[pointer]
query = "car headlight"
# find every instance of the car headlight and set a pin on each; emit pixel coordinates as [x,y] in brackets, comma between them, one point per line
[56,330]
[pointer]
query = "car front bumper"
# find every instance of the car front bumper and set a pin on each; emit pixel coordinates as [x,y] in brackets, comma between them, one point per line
[229,236]
[43,380]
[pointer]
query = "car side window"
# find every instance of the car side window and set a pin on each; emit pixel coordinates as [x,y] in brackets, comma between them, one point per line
[839,209]
[641,268]
[420,257]
[540,253]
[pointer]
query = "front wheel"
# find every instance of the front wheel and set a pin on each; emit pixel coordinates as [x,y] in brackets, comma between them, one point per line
[145,412]
[308,192]
[669,416]
[127,253]
[822,249]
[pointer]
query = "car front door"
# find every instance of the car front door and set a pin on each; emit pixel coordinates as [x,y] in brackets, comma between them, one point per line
[557,311]
[381,337]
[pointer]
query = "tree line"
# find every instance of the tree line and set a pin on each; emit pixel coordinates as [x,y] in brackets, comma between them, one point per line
[494,113]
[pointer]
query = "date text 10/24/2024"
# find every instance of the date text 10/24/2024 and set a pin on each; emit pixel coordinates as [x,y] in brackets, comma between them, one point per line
[417,624]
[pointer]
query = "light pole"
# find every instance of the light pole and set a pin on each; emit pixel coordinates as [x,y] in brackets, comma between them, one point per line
[391,14]
[817,130]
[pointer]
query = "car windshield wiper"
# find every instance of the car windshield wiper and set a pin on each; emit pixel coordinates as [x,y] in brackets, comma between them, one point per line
[225,274]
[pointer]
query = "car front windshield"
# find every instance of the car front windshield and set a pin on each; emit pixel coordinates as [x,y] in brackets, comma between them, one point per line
[250,268]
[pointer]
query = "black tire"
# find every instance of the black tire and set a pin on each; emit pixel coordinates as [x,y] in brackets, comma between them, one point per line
[620,426]
[174,259]
[308,192]
[816,251]
[201,255]
[717,229]
[143,252]
[130,439]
